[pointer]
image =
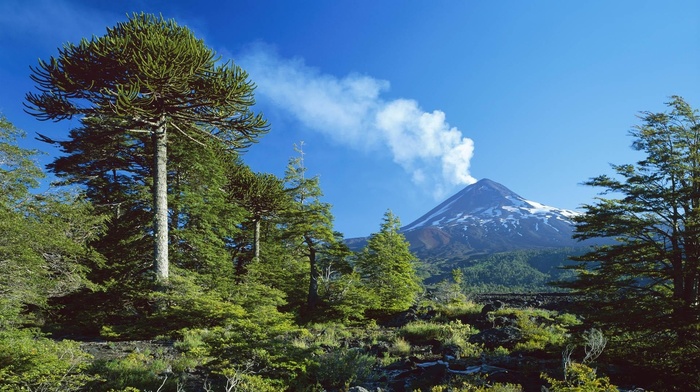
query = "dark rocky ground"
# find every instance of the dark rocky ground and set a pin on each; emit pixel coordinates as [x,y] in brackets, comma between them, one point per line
[436,362]
[561,302]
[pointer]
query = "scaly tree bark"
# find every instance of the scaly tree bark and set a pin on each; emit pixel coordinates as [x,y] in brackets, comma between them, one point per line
[154,76]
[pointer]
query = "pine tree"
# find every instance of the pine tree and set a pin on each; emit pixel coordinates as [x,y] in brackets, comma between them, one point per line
[387,267]
[150,76]
[262,195]
[308,222]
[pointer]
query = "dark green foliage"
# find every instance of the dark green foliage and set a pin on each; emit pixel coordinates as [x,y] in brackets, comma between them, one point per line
[345,298]
[307,222]
[282,268]
[518,271]
[43,238]
[142,69]
[147,76]
[646,282]
[387,268]
[202,218]
[655,222]
[263,197]
[503,273]
[31,362]
[343,295]
[343,368]
[44,245]
[188,302]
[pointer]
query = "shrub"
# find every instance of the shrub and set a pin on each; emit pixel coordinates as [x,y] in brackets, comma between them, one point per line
[568,320]
[267,338]
[475,384]
[459,342]
[424,332]
[192,345]
[138,370]
[400,347]
[30,361]
[328,334]
[188,304]
[579,378]
[538,328]
[341,368]
[346,299]
[241,380]
[458,309]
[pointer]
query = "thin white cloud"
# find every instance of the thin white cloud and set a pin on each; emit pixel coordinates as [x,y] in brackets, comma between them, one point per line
[351,111]
[53,22]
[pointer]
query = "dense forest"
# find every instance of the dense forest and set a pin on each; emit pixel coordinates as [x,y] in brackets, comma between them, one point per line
[157,260]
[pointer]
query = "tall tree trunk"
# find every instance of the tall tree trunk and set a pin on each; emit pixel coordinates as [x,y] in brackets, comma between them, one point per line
[160,203]
[256,240]
[313,281]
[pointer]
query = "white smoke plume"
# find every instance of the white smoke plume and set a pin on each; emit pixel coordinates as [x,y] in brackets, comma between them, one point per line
[350,111]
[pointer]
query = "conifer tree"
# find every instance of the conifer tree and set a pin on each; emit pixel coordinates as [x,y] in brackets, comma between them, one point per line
[652,270]
[643,285]
[387,267]
[260,194]
[43,237]
[308,221]
[149,76]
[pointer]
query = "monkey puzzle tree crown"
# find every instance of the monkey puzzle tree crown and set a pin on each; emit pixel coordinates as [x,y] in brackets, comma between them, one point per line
[146,75]
[145,69]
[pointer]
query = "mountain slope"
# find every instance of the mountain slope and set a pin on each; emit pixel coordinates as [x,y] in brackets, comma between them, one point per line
[487,217]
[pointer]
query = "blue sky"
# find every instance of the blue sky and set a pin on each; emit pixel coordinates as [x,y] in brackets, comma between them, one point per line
[401,104]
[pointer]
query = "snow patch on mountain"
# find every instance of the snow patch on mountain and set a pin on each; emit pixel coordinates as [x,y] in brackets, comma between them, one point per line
[488,217]
[424,220]
[486,204]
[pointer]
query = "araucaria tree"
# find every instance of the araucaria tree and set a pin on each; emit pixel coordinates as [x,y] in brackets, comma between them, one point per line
[387,267]
[648,278]
[150,76]
[261,194]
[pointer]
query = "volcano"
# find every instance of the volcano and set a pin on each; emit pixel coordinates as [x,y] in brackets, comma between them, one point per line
[487,217]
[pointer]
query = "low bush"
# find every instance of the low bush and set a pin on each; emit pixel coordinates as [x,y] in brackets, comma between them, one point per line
[30,361]
[240,379]
[343,368]
[458,310]
[426,332]
[137,370]
[579,378]
[475,383]
[400,348]
[539,328]
[266,338]
[328,334]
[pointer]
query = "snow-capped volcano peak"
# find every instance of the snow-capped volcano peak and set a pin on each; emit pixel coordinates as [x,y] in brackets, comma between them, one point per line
[487,214]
